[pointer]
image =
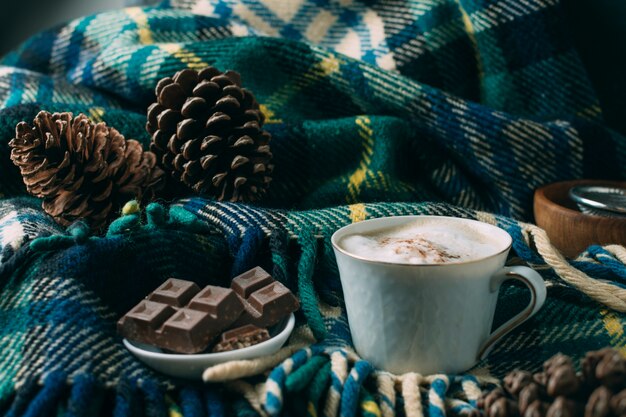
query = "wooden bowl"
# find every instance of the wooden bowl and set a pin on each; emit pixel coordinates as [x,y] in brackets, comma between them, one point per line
[569,230]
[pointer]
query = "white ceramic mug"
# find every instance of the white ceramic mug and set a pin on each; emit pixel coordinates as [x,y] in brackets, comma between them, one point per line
[433,318]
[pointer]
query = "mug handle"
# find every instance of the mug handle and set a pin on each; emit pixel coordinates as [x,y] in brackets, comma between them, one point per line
[537,288]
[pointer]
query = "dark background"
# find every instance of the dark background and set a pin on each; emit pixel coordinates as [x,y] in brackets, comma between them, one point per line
[21,18]
[598,29]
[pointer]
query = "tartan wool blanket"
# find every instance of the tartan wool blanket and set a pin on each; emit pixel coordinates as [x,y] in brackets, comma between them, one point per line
[376,108]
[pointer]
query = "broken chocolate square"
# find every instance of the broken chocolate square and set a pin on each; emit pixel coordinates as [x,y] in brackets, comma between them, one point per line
[241,337]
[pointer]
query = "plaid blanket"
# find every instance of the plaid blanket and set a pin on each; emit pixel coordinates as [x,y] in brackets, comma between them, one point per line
[376,108]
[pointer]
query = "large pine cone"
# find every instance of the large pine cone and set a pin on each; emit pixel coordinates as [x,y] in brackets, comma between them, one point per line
[206,132]
[81,169]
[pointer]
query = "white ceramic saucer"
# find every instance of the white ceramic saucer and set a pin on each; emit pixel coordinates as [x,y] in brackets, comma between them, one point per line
[192,366]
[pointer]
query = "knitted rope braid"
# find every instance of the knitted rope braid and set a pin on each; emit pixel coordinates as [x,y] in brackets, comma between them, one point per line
[319,384]
[618,251]
[275,384]
[250,393]
[471,388]
[368,406]
[244,368]
[300,378]
[347,375]
[338,375]
[605,293]
[459,408]
[352,387]
[602,261]
[387,392]
[437,396]
[410,384]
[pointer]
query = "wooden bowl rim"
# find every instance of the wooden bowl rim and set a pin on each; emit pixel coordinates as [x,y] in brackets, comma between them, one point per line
[543,202]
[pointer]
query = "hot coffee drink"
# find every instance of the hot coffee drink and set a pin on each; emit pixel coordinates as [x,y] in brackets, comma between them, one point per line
[421,291]
[419,242]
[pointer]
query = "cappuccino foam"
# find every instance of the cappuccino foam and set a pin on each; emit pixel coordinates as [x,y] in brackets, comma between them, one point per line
[420,243]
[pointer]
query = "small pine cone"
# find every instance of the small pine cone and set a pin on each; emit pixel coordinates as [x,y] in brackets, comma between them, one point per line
[206,133]
[81,169]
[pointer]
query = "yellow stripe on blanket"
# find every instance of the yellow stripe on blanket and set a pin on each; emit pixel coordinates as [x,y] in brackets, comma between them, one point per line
[96,113]
[325,67]
[615,329]
[370,408]
[141,20]
[359,176]
[358,212]
[187,57]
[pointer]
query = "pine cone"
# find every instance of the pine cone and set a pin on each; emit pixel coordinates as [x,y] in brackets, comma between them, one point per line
[81,169]
[558,391]
[206,133]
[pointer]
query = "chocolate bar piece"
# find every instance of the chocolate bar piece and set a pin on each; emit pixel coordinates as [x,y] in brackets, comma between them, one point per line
[241,337]
[180,317]
[266,302]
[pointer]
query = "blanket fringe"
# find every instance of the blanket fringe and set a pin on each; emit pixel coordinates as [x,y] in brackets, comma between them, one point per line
[306,291]
[319,372]
[83,392]
[83,396]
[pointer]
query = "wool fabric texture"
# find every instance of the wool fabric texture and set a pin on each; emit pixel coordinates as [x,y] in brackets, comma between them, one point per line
[376,108]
